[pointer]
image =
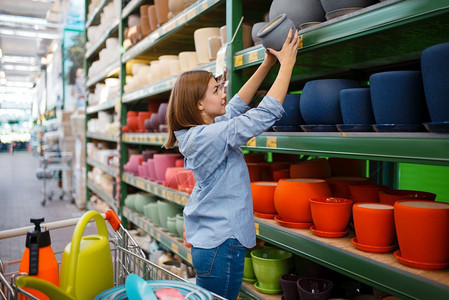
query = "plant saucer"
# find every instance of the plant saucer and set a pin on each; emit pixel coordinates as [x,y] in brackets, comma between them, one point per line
[319,128]
[437,127]
[264,216]
[292,224]
[266,291]
[373,249]
[398,127]
[327,234]
[249,280]
[419,265]
[354,127]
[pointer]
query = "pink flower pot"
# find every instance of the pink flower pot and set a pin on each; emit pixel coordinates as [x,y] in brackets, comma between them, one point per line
[162,162]
[151,169]
[170,177]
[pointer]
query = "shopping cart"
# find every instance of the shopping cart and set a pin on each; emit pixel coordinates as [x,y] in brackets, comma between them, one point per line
[51,166]
[127,257]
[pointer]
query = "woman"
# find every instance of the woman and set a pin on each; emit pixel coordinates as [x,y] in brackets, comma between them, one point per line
[218,218]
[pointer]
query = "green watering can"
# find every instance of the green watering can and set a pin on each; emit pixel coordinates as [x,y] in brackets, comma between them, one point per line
[86,268]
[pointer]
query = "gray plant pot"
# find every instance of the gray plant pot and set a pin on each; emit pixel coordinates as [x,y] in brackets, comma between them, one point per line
[274,33]
[255,30]
[331,5]
[299,11]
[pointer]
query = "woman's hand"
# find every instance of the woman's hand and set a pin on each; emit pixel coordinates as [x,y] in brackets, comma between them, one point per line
[270,59]
[287,55]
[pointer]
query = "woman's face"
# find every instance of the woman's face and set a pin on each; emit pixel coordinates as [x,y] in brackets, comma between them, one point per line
[214,102]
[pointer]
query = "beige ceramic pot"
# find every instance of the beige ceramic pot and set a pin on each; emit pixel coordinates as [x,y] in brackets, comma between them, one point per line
[201,37]
[155,70]
[176,6]
[188,60]
[214,45]
[174,67]
[164,64]
[246,35]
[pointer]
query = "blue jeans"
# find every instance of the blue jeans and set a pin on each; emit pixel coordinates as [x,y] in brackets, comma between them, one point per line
[220,269]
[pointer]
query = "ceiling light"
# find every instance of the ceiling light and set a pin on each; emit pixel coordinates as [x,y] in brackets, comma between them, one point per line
[19,67]
[30,34]
[31,60]
[19,84]
[23,20]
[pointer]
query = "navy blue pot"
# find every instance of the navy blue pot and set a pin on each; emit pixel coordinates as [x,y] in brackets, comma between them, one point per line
[435,73]
[292,117]
[397,97]
[320,100]
[356,106]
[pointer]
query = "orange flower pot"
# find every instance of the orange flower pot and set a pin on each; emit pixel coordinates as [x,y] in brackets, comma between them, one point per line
[281,174]
[291,198]
[315,168]
[374,224]
[330,214]
[255,171]
[391,196]
[347,167]
[340,184]
[366,192]
[423,229]
[263,196]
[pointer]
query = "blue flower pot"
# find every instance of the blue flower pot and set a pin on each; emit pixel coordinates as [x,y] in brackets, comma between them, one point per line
[435,72]
[292,116]
[320,100]
[356,107]
[274,33]
[397,97]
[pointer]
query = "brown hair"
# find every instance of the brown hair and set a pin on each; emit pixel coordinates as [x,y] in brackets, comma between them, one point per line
[182,112]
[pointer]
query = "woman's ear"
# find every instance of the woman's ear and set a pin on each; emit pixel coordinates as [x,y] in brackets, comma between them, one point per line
[200,106]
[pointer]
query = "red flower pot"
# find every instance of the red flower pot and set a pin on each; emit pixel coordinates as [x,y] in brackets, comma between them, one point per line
[330,214]
[374,224]
[141,117]
[263,196]
[255,171]
[423,229]
[340,184]
[366,192]
[315,168]
[391,196]
[291,198]
[131,121]
[281,174]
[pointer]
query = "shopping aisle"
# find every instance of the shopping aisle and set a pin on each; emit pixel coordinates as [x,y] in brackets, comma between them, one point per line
[20,199]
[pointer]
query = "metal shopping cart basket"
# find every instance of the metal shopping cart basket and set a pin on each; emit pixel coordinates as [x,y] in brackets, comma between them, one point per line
[52,164]
[127,257]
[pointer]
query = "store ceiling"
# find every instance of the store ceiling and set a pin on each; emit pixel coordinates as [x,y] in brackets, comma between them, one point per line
[27,30]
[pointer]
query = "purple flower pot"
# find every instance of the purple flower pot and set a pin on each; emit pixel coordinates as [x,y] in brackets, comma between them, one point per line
[289,288]
[162,113]
[314,288]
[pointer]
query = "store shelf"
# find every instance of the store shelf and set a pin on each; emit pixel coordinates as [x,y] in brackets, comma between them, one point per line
[176,29]
[156,189]
[153,139]
[96,13]
[156,232]
[160,86]
[382,271]
[103,136]
[100,43]
[102,194]
[111,70]
[105,168]
[378,35]
[100,107]
[130,7]
[424,148]
[251,292]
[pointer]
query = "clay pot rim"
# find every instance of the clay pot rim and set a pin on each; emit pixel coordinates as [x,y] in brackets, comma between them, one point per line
[303,180]
[265,183]
[413,204]
[331,201]
[408,194]
[370,206]
[285,255]
[272,25]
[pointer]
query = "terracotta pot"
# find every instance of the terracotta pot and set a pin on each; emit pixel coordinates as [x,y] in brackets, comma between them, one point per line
[274,33]
[161,11]
[153,105]
[145,26]
[423,228]
[347,166]
[374,224]
[366,192]
[179,163]
[132,123]
[330,214]
[125,129]
[144,10]
[255,171]
[391,196]
[176,6]
[152,17]
[291,198]
[281,174]
[141,117]
[315,168]
[201,37]
[263,196]
[340,184]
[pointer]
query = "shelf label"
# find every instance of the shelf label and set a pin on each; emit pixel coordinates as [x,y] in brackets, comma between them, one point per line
[253,56]
[166,194]
[160,139]
[175,247]
[271,142]
[238,60]
[301,42]
[152,231]
[189,257]
[191,13]
[141,185]
[158,236]
[257,228]
[251,142]
[152,139]
[184,200]
[205,5]
[177,198]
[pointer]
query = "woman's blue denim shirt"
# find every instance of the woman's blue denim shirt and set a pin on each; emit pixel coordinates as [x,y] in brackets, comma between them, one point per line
[220,206]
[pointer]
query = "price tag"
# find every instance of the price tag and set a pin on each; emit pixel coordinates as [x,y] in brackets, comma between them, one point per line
[174,247]
[301,42]
[152,139]
[160,139]
[253,56]
[177,198]
[184,200]
[169,196]
[152,231]
[158,236]
[156,190]
[251,142]
[238,60]
[189,257]
[141,185]
[257,228]
[271,142]
[204,6]
[164,194]
[190,14]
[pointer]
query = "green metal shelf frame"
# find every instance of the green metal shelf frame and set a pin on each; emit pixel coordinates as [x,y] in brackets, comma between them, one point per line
[101,107]
[152,139]
[172,25]
[105,168]
[96,12]
[102,136]
[159,87]
[161,191]
[102,194]
[107,72]
[367,269]
[100,42]
[156,232]
[422,148]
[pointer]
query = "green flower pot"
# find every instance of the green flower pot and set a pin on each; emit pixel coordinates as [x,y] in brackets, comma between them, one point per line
[269,264]
[248,270]
[180,224]
[167,209]
[171,226]
[141,200]
[129,201]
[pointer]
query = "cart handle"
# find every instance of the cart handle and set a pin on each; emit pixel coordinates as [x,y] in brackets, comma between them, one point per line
[110,216]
